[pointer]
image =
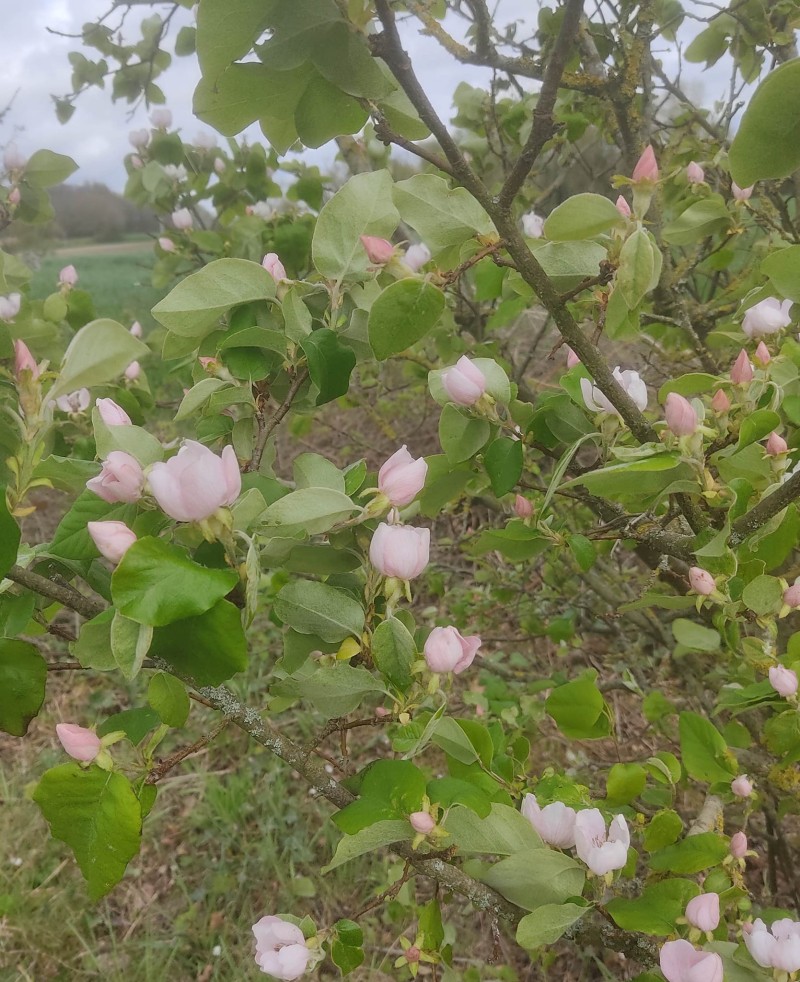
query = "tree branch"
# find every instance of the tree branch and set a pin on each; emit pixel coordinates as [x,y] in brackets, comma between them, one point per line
[267,427]
[64,594]
[761,513]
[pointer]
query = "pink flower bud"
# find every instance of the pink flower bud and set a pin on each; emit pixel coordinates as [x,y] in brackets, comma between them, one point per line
[741,786]
[274,266]
[572,358]
[523,506]
[623,207]
[465,383]
[14,196]
[132,371]
[701,581]
[447,651]
[209,364]
[194,483]
[379,251]
[24,361]
[281,949]
[161,119]
[742,371]
[400,551]
[219,165]
[741,194]
[75,402]
[9,307]
[80,743]
[136,162]
[646,168]
[382,711]
[413,955]
[121,479]
[762,353]
[738,845]
[112,414]
[422,822]
[417,256]
[166,244]
[68,276]
[136,329]
[791,595]
[695,173]
[783,680]
[402,478]
[139,139]
[681,415]
[113,539]
[776,445]
[680,961]
[182,219]
[702,911]
[721,403]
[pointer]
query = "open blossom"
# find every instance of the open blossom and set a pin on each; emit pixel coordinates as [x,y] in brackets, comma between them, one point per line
[777,946]
[417,255]
[80,743]
[9,306]
[762,353]
[767,317]
[139,139]
[783,680]
[680,961]
[701,581]
[533,225]
[401,478]
[721,403]
[630,381]
[742,371]
[74,402]
[401,551]
[446,650]
[112,414]
[182,219]
[194,483]
[68,276]
[161,119]
[741,194]
[379,251]
[261,209]
[702,912]
[695,173]
[623,207]
[523,506]
[422,822]
[776,445]
[465,383]
[272,264]
[281,949]
[601,851]
[121,479]
[681,415]
[205,141]
[113,539]
[646,168]
[175,172]
[24,361]
[738,845]
[166,244]
[555,823]
[741,786]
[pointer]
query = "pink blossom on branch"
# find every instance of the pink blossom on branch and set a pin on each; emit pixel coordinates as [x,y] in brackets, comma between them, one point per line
[701,581]
[601,850]
[400,551]
[193,484]
[80,743]
[446,650]
[783,680]
[742,371]
[465,383]
[121,479]
[646,168]
[24,361]
[281,949]
[401,478]
[379,251]
[555,823]
[112,414]
[681,415]
[113,539]
[702,911]
[681,962]
[272,264]
[695,173]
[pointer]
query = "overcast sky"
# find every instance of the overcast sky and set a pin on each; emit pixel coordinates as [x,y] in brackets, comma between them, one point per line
[35,63]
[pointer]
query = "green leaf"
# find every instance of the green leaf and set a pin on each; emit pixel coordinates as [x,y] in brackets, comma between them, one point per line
[460,435]
[656,911]
[583,550]
[134,723]
[362,207]
[703,750]
[343,57]
[333,690]
[367,840]
[443,216]
[133,440]
[99,817]
[703,218]
[198,396]
[199,301]
[692,854]
[636,265]
[313,471]
[695,636]
[624,783]
[578,709]
[582,216]
[662,830]
[99,352]
[9,536]
[72,540]
[688,385]
[93,647]
[297,28]
[536,877]
[248,92]
[157,583]
[389,789]
[317,608]
[447,791]
[66,473]
[211,648]
[329,364]
[313,510]
[757,425]
[168,697]
[324,111]
[783,267]
[547,924]
[346,958]
[503,833]
[503,462]
[45,168]
[349,933]
[636,478]
[225,34]
[464,739]
[767,143]
[296,316]
[763,595]
[430,926]
[394,652]
[130,642]
[402,315]
[23,675]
